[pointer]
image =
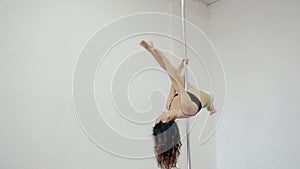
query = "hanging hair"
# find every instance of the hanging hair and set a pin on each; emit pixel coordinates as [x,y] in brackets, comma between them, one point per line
[167,144]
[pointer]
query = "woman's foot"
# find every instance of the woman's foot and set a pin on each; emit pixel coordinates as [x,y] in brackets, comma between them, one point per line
[212,110]
[147,45]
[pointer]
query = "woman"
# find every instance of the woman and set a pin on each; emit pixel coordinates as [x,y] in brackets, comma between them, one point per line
[180,104]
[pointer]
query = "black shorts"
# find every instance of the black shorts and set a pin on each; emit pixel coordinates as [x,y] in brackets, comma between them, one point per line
[194,99]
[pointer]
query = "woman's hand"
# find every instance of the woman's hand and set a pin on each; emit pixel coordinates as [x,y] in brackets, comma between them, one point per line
[167,116]
[180,67]
[186,61]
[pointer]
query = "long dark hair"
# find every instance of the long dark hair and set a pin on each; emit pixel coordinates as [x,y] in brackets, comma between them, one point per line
[167,144]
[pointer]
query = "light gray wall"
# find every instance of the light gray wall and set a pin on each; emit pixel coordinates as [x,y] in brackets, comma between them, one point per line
[203,154]
[40,42]
[259,44]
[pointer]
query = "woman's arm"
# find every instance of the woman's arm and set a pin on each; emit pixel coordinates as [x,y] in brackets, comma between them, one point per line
[171,97]
[180,66]
[172,89]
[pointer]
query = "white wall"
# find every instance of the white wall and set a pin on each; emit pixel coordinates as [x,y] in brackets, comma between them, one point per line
[259,43]
[40,42]
[202,155]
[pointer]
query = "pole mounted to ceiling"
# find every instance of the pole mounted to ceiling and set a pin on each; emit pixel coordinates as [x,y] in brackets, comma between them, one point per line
[185,81]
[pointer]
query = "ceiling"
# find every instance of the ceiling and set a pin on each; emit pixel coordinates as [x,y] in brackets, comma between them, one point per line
[208,2]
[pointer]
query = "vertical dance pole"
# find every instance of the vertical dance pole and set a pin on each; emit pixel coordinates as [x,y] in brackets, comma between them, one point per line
[185,83]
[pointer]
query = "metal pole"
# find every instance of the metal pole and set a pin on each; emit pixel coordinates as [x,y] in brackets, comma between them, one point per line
[185,82]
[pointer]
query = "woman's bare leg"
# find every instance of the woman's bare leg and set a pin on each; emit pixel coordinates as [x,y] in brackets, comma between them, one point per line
[164,63]
[187,105]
